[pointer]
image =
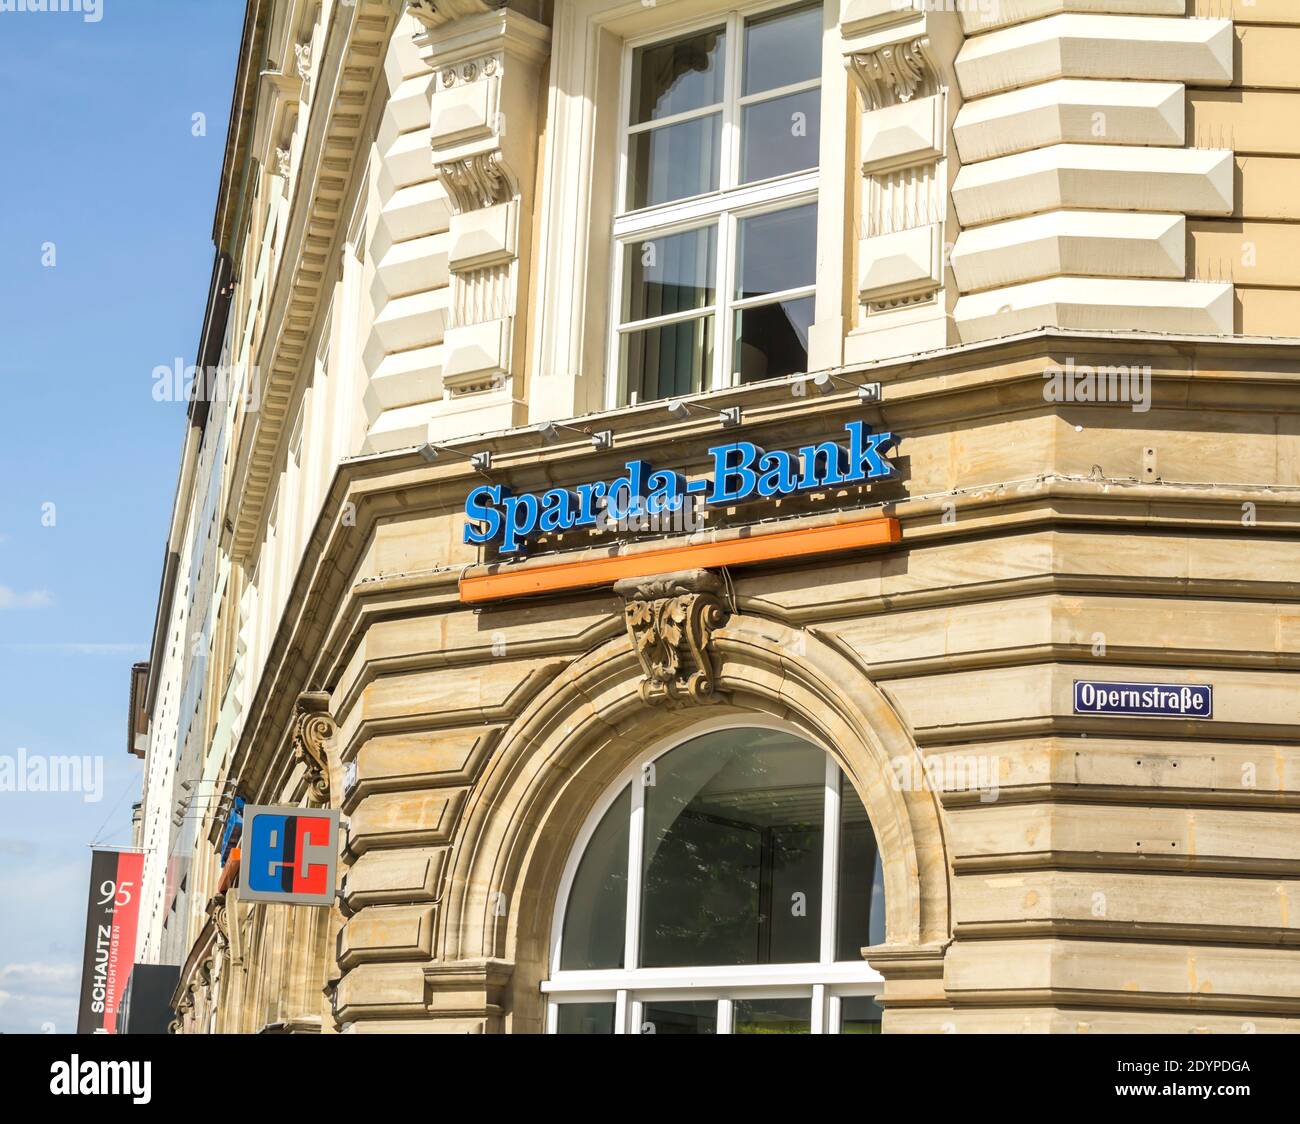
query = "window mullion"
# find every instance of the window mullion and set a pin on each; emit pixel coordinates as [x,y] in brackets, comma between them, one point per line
[672,119]
[779,91]
[635,847]
[830,860]
[616,390]
[774,298]
[668,318]
[686,214]
[730,176]
[724,342]
[729,171]
[818,1016]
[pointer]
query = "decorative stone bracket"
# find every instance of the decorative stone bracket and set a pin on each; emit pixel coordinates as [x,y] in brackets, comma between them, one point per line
[903,139]
[312,728]
[486,62]
[670,620]
[216,911]
[894,73]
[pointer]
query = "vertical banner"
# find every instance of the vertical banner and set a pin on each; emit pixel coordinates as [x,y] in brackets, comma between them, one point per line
[111,916]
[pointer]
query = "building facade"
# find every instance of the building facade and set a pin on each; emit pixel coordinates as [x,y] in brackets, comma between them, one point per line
[763,517]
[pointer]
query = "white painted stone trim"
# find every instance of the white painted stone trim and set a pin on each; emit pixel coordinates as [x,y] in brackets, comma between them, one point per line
[477,352]
[417,210]
[860,16]
[484,237]
[1095,177]
[1097,303]
[1093,243]
[417,320]
[898,135]
[407,377]
[411,267]
[1097,46]
[1074,111]
[902,264]
[985,15]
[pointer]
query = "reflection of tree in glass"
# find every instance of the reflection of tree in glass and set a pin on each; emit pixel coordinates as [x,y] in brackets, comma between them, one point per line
[772,1016]
[722,832]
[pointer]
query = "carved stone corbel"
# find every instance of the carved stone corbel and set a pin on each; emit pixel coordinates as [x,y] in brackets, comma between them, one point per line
[302,60]
[476,182]
[312,728]
[894,73]
[482,135]
[670,620]
[903,195]
[216,910]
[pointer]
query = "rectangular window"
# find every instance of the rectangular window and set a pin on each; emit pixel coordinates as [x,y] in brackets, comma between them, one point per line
[716,240]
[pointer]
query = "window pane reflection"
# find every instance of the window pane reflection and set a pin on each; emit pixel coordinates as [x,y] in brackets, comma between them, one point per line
[685,1017]
[594,921]
[668,361]
[585,1018]
[781,135]
[860,899]
[678,76]
[733,852]
[674,161]
[782,49]
[670,273]
[860,1014]
[772,1016]
[777,252]
[772,339]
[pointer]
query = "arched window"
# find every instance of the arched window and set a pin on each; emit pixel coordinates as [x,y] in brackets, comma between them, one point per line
[755,883]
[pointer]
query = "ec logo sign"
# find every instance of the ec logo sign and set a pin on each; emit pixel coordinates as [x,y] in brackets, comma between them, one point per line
[288,855]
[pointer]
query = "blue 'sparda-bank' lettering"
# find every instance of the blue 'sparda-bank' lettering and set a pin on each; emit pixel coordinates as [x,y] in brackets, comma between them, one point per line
[741,472]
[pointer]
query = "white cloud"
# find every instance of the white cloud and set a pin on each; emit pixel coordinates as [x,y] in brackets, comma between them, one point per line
[36,599]
[39,975]
[37,996]
[23,1015]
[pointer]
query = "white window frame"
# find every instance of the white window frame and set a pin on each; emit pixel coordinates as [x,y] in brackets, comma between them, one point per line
[826,981]
[725,207]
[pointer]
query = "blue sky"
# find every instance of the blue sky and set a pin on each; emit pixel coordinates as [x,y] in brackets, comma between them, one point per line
[99,159]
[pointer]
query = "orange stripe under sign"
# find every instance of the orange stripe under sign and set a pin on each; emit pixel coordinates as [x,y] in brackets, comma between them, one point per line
[493,583]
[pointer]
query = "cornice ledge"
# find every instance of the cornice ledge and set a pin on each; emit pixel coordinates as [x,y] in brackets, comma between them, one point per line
[467,988]
[912,962]
[434,13]
[357,37]
[489,971]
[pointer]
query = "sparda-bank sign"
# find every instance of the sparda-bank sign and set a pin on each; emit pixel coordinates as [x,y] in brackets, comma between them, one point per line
[741,472]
